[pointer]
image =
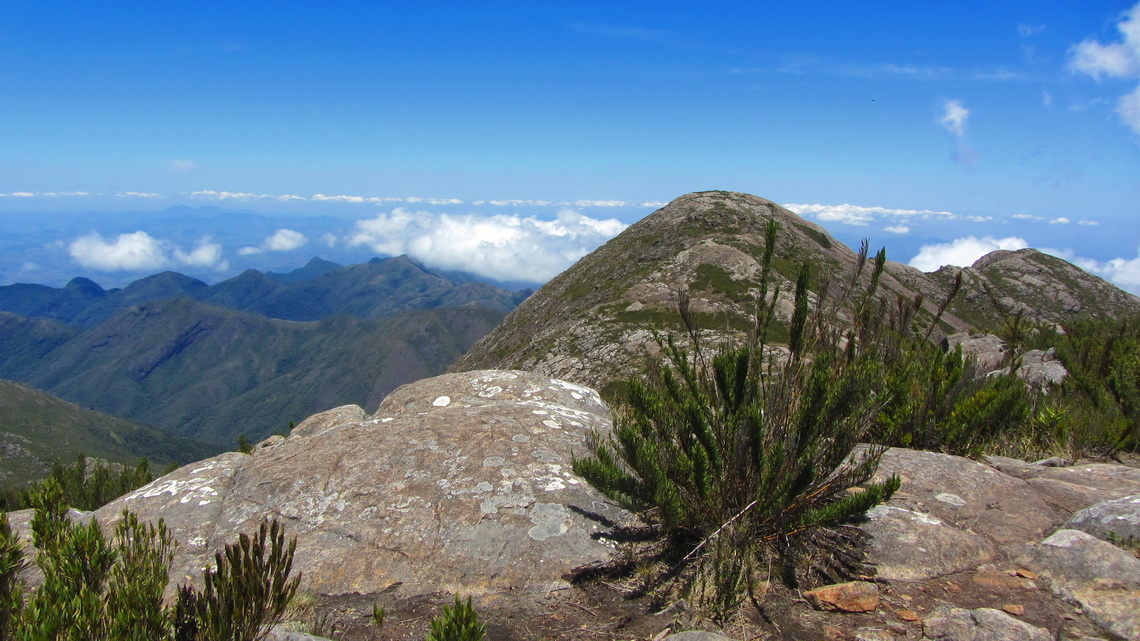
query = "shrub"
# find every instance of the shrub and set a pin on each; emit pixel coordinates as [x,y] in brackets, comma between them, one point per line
[458,622]
[741,458]
[85,486]
[248,590]
[95,589]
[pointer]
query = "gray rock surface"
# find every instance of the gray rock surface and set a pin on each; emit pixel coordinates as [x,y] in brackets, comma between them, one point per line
[1099,576]
[909,546]
[988,350]
[982,624]
[1115,521]
[969,496]
[460,482]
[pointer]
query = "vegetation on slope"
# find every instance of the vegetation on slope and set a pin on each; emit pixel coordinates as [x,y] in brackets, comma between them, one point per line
[37,428]
[211,373]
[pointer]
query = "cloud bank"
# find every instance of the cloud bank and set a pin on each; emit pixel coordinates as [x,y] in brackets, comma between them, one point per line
[862,216]
[962,252]
[502,247]
[139,251]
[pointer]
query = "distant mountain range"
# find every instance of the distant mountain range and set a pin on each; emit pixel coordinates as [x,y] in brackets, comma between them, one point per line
[250,354]
[318,290]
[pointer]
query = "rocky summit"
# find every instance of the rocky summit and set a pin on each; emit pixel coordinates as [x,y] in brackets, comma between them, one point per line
[591,324]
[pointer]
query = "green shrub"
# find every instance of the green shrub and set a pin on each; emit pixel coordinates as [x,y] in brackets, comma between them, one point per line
[85,486]
[739,458]
[11,590]
[458,622]
[248,590]
[96,588]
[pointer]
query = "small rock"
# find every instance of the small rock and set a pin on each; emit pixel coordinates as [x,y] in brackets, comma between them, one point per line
[1055,461]
[1116,520]
[908,615]
[983,624]
[1014,609]
[897,628]
[993,579]
[855,596]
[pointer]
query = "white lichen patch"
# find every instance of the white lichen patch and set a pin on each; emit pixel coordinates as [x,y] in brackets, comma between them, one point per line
[883,511]
[550,519]
[195,488]
[952,499]
[582,391]
[493,461]
[552,424]
[197,542]
[490,392]
[442,401]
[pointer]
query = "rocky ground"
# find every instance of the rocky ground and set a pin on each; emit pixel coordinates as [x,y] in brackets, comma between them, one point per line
[462,484]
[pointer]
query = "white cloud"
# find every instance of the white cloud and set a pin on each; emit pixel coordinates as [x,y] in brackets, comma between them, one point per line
[1026,217]
[1120,59]
[330,239]
[128,252]
[21,194]
[282,240]
[1128,108]
[342,198]
[1060,221]
[137,194]
[897,229]
[962,252]
[183,165]
[506,247]
[139,251]
[954,117]
[862,216]
[205,255]
[1117,60]
[1091,223]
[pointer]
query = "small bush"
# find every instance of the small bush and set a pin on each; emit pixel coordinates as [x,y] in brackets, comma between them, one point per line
[248,590]
[458,622]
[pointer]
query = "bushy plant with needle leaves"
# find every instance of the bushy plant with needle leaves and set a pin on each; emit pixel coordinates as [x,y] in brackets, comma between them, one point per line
[744,456]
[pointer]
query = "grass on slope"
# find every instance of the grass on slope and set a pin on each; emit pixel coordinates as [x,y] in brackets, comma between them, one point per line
[37,428]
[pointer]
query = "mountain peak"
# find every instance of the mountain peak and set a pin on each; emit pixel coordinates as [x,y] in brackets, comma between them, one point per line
[591,324]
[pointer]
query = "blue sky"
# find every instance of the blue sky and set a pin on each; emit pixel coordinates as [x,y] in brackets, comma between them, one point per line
[509,138]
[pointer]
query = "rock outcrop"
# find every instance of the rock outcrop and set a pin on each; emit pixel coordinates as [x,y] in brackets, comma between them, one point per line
[1002,528]
[457,483]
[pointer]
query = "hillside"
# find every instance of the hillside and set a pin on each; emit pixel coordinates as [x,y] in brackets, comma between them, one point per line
[591,324]
[211,373]
[37,428]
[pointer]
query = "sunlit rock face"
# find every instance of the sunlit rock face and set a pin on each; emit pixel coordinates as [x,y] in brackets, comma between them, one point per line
[461,482]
